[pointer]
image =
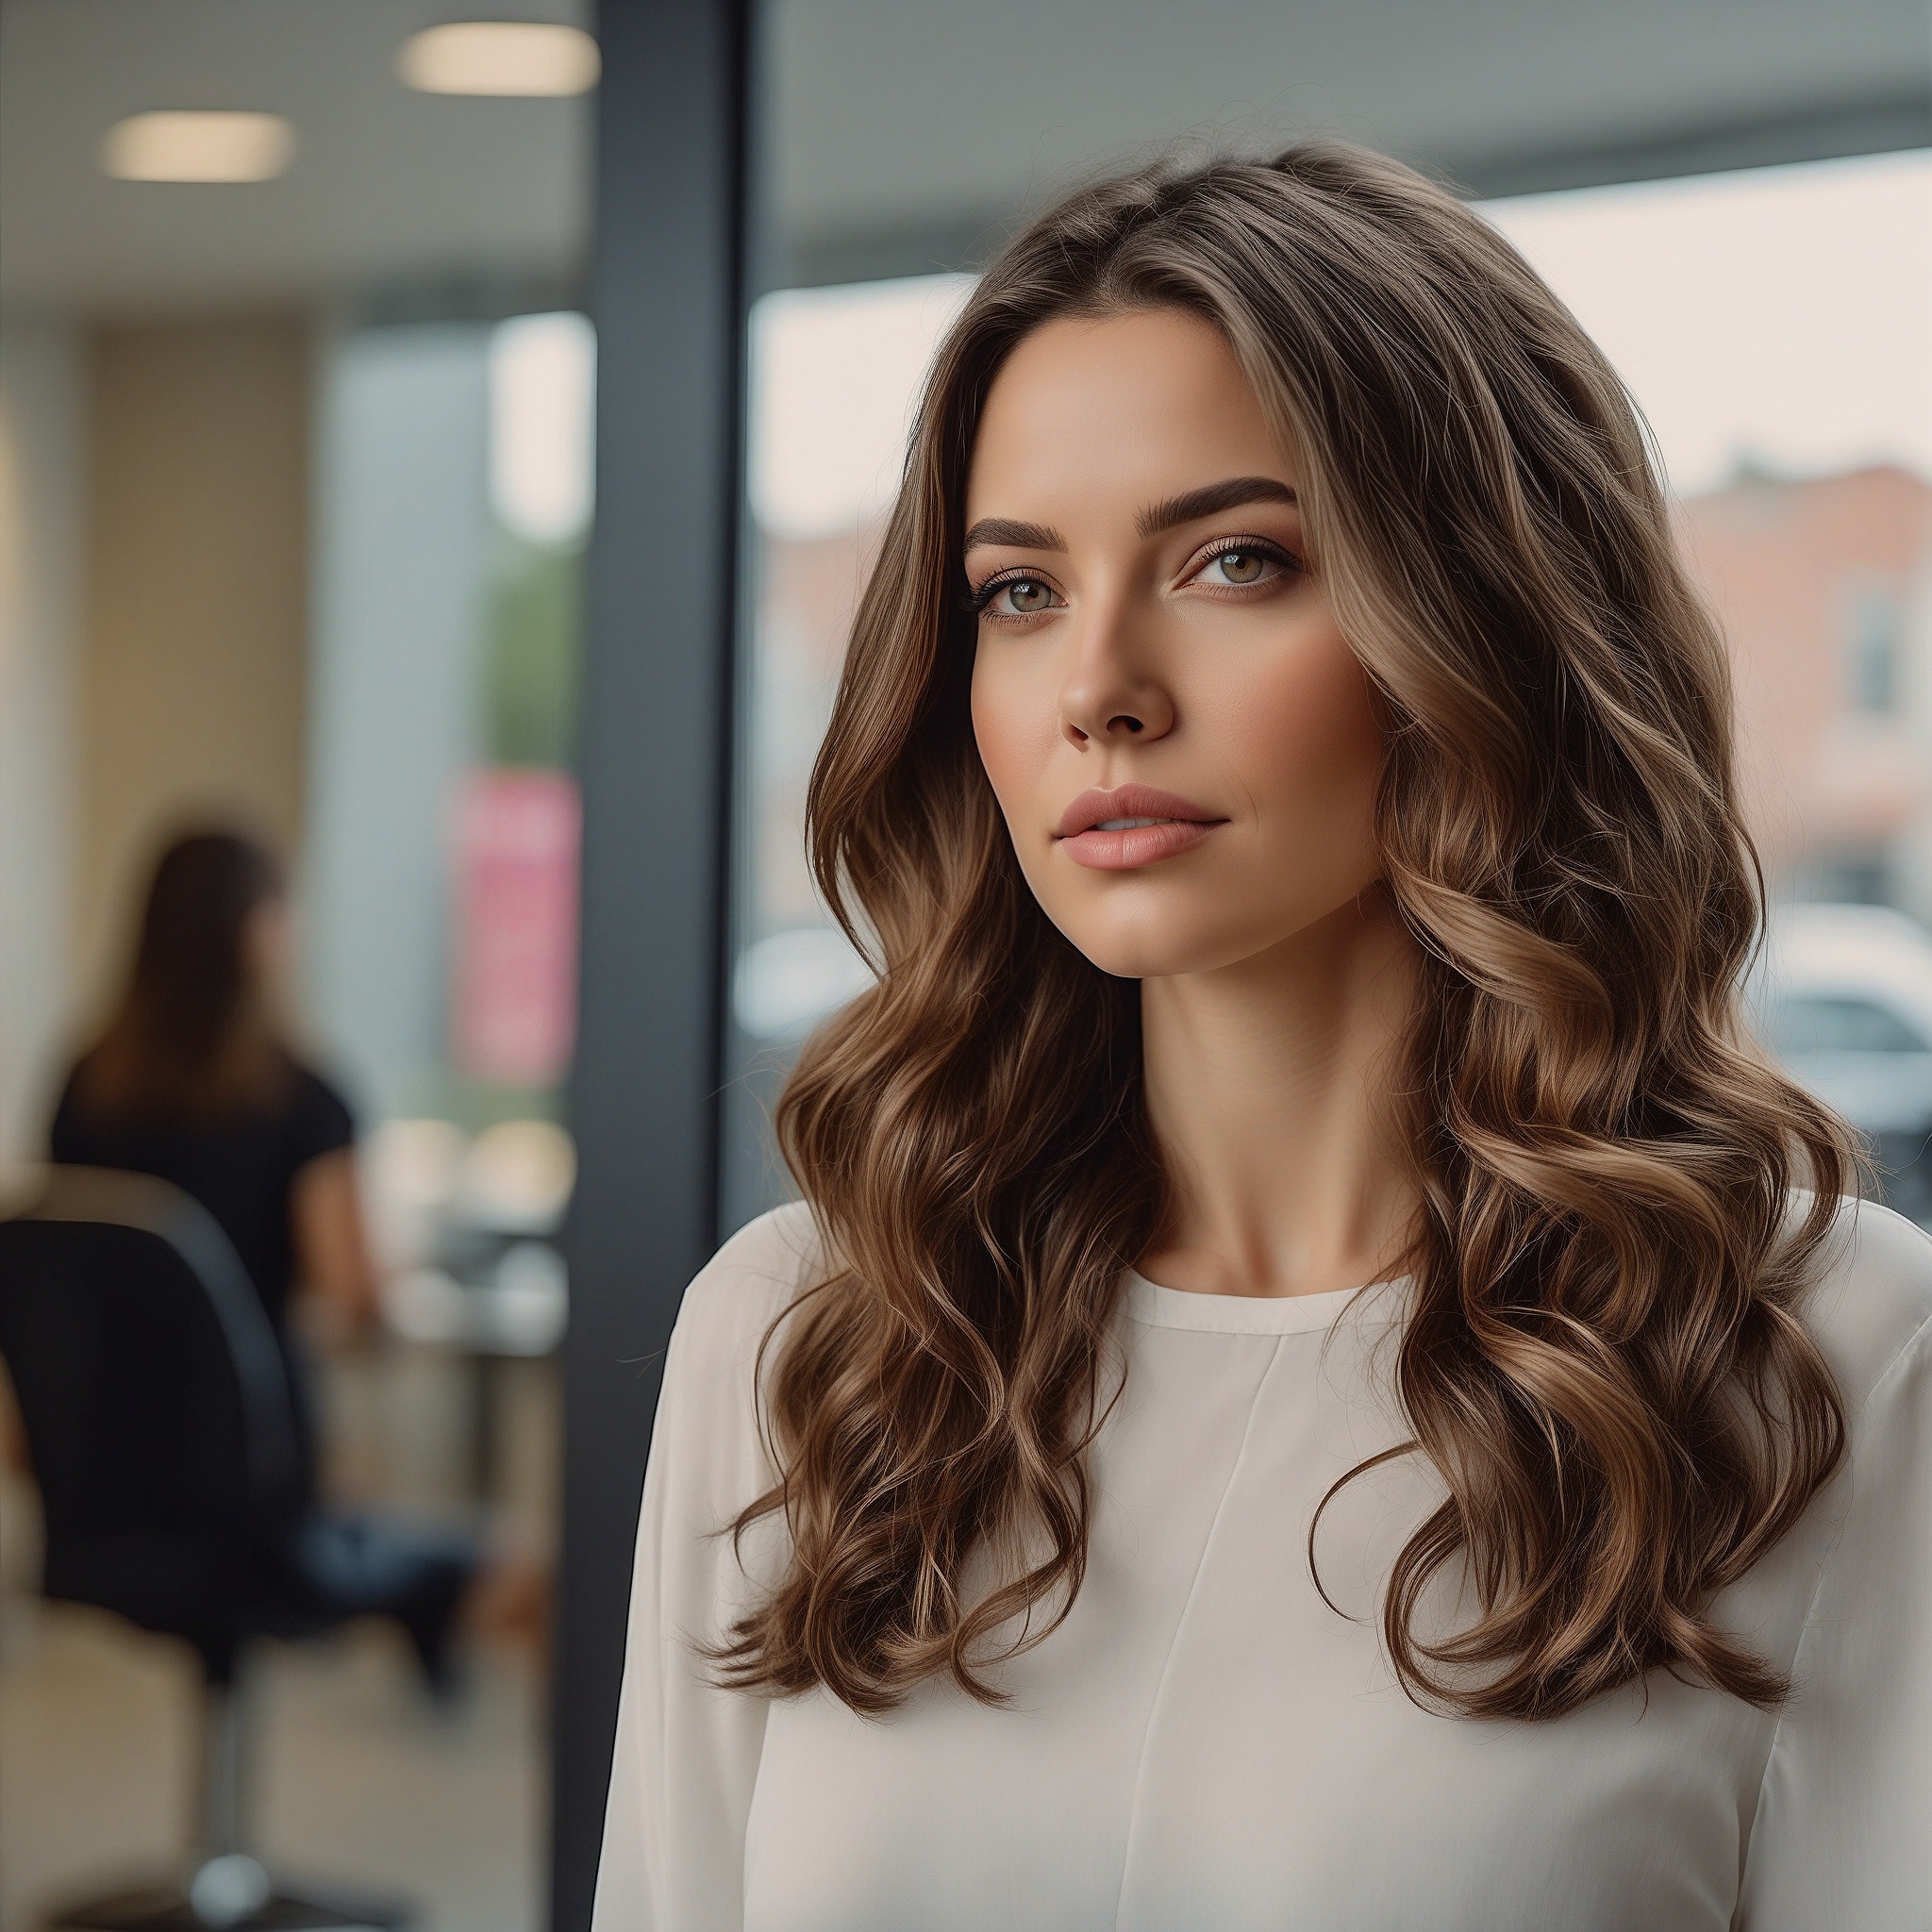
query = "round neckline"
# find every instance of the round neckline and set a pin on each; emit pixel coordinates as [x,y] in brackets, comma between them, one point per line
[1255,1314]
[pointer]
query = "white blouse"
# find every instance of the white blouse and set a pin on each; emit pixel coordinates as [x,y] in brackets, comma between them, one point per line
[1206,1744]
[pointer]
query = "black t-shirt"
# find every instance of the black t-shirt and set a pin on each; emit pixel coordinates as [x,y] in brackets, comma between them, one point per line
[240,1168]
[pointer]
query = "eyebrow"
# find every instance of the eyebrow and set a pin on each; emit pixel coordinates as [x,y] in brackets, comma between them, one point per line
[1011,536]
[1209,501]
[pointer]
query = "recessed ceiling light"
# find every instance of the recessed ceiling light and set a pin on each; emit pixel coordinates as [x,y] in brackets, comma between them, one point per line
[499,57]
[198,147]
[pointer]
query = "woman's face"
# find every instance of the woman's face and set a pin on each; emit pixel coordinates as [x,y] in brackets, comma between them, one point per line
[1186,750]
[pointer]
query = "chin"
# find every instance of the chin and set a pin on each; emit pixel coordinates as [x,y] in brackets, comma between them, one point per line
[1139,951]
[1163,936]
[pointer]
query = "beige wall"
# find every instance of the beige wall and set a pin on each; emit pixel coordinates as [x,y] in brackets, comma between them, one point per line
[43,520]
[194,657]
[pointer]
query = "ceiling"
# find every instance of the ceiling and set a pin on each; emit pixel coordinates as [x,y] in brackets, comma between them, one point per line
[985,107]
[393,197]
[899,134]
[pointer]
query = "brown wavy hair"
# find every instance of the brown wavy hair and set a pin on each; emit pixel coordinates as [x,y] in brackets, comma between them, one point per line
[1601,1356]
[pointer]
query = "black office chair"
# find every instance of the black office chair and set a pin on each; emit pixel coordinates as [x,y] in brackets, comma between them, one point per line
[175,1485]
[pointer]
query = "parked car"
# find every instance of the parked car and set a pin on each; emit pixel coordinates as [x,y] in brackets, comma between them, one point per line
[1844,998]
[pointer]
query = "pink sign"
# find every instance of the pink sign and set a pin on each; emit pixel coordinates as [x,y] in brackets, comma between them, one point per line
[514,960]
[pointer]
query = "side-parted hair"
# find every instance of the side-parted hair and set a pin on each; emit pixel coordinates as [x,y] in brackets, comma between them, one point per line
[1601,1357]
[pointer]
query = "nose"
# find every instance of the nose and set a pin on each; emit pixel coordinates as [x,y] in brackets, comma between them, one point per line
[1111,696]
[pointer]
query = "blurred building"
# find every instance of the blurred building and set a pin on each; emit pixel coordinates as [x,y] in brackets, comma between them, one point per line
[1822,584]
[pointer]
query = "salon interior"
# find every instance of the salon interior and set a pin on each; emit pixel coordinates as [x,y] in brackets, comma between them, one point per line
[440,451]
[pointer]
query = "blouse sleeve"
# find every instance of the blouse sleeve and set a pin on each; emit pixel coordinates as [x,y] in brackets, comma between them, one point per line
[1843,1833]
[686,1752]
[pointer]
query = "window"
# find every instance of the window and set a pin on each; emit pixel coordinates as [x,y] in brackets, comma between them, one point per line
[1786,402]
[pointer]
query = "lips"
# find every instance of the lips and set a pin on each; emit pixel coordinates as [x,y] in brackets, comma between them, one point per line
[1134,825]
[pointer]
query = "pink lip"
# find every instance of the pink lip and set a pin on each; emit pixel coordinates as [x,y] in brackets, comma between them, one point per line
[1181,826]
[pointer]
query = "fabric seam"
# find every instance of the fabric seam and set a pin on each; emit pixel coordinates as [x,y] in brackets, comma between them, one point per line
[1207,1542]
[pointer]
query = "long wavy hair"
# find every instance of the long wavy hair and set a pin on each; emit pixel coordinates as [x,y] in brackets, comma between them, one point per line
[1601,1354]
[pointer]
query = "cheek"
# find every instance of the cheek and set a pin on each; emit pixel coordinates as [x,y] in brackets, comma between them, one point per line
[1014,725]
[1308,741]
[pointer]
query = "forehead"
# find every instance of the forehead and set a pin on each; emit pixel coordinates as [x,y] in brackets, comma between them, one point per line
[1130,409]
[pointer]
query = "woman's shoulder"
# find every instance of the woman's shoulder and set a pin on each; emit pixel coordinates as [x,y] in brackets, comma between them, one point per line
[709,1450]
[1872,1298]
[734,1299]
[309,1084]
[311,1114]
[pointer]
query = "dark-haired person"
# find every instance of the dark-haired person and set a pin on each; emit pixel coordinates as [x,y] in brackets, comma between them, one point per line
[193,1080]
[1318,1380]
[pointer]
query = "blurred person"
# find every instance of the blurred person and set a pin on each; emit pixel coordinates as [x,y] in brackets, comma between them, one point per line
[1318,1379]
[194,1080]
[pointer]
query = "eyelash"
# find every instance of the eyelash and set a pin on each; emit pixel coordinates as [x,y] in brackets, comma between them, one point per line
[1256,546]
[979,596]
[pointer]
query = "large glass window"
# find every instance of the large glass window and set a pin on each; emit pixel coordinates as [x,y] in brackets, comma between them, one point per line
[1773,326]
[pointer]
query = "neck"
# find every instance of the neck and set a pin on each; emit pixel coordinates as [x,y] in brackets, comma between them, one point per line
[1267,1089]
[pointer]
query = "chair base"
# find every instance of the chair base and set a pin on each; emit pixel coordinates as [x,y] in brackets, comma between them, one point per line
[165,1908]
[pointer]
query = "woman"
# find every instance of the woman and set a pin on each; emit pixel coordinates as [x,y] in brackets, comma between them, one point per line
[1317,1380]
[193,1080]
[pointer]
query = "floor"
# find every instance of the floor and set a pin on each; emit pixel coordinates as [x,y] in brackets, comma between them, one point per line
[358,1776]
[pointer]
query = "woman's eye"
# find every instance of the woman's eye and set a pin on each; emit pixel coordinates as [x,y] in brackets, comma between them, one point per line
[1237,567]
[1021,597]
